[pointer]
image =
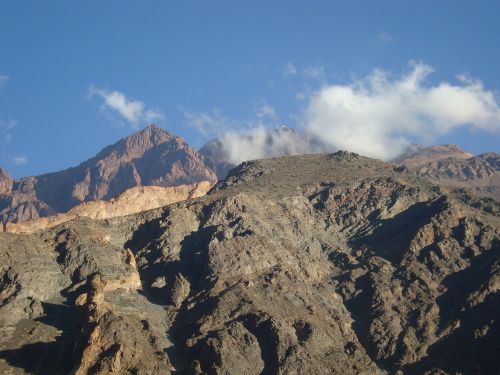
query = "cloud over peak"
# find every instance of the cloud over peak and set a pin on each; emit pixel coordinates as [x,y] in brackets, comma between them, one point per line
[133,111]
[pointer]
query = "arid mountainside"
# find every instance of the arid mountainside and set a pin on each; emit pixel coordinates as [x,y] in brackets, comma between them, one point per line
[131,201]
[451,166]
[418,155]
[151,157]
[313,264]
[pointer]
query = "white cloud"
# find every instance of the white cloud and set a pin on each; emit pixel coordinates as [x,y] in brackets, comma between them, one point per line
[133,111]
[289,70]
[262,142]
[19,160]
[266,111]
[315,72]
[377,116]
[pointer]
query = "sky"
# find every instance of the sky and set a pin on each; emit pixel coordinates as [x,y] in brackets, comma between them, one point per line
[369,76]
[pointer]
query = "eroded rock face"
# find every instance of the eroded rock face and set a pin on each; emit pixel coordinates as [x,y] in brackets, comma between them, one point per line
[151,157]
[316,264]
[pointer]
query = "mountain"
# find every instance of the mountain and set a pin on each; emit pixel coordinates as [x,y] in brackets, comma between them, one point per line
[417,155]
[151,157]
[448,165]
[313,264]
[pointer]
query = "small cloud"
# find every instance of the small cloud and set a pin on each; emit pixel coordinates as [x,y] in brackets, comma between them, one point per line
[3,78]
[266,111]
[5,129]
[315,72]
[382,37]
[133,111]
[19,160]
[208,124]
[289,70]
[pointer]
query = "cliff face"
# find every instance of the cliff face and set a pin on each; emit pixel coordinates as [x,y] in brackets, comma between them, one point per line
[152,157]
[314,264]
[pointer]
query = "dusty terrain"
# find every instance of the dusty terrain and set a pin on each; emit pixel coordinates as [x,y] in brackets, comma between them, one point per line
[313,264]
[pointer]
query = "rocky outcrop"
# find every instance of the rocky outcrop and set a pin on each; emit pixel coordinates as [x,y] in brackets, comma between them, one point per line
[5,182]
[151,157]
[131,201]
[314,264]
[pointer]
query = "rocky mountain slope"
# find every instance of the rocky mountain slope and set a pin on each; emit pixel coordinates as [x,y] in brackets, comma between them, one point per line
[451,166]
[418,155]
[314,264]
[133,200]
[151,157]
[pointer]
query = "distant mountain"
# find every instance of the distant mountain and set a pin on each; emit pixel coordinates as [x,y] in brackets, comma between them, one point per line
[451,166]
[417,155]
[151,157]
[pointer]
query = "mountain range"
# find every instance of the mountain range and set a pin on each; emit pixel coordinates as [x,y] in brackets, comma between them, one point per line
[310,264]
[155,157]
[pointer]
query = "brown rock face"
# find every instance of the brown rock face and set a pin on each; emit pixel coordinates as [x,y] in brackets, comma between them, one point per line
[314,264]
[450,166]
[151,157]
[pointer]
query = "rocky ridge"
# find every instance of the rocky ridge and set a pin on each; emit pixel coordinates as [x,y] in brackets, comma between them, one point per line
[324,264]
[451,166]
[133,200]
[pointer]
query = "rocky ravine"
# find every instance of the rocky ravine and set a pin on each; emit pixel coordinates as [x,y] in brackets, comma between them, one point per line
[314,264]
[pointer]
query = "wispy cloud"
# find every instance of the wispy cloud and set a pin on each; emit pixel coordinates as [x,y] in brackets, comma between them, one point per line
[382,37]
[215,124]
[19,160]
[5,129]
[133,111]
[378,116]
[3,78]
[289,70]
[315,71]
[211,124]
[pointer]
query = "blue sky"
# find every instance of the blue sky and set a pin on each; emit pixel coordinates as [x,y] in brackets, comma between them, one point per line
[76,76]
